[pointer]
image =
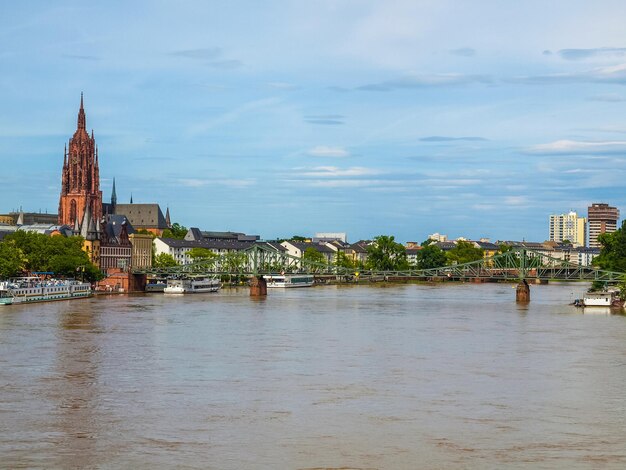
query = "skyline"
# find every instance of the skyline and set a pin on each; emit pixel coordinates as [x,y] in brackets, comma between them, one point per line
[407,118]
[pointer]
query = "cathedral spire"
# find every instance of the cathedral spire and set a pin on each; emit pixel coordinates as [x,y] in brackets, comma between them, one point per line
[81,114]
[113,196]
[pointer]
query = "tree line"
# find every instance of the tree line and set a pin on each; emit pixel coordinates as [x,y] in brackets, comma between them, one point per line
[27,252]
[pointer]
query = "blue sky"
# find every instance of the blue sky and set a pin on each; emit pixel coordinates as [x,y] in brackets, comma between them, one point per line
[475,119]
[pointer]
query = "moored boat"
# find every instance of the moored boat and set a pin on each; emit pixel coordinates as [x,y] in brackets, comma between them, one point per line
[289,280]
[192,286]
[605,298]
[33,289]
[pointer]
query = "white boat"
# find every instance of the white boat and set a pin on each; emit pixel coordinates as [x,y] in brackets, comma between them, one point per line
[192,286]
[33,289]
[289,280]
[605,298]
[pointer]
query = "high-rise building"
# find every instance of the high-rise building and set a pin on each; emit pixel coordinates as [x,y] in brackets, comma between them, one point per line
[602,219]
[80,183]
[568,227]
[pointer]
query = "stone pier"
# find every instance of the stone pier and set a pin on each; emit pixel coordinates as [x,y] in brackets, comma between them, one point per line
[258,287]
[522,293]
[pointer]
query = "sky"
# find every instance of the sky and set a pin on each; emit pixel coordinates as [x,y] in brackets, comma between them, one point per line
[405,118]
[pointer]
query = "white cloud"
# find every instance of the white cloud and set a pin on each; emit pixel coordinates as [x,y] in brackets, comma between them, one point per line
[574,147]
[335,172]
[326,151]
[193,182]
[515,200]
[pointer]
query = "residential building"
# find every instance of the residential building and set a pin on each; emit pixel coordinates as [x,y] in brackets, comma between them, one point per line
[411,255]
[568,227]
[179,249]
[583,256]
[438,237]
[602,219]
[358,251]
[297,249]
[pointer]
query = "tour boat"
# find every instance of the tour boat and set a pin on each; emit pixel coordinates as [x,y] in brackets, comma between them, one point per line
[289,280]
[33,289]
[192,286]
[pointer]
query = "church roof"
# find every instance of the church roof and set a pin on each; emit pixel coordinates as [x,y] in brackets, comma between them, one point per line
[142,215]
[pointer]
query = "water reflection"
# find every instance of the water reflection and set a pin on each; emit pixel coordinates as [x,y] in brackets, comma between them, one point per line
[74,386]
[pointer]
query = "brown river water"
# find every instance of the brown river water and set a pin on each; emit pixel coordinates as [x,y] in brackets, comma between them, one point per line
[380,377]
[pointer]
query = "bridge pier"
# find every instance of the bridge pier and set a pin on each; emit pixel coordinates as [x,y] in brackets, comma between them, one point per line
[522,293]
[258,287]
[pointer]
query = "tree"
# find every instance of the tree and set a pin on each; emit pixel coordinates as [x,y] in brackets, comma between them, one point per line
[613,253]
[385,254]
[164,260]
[464,252]
[313,256]
[201,254]
[12,260]
[61,255]
[177,231]
[431,256]
[344,261]
[298,238]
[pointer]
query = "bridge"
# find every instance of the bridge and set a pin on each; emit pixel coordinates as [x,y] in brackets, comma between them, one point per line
[518,264]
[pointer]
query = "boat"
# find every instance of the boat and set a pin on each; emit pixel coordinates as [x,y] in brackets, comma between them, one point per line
[605,298]
[33,289]
[192,286]
[289,280]
[154,284]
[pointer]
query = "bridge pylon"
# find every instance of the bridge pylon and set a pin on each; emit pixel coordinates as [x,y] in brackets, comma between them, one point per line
[522,293]
[258,286]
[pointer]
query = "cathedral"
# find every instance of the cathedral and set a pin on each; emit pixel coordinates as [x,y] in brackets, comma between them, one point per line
[107,228]
[80,183]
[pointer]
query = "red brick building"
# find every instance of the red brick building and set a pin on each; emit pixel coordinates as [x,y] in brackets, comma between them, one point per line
[80,183]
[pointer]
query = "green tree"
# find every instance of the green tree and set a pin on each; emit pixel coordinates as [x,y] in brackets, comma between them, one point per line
[344,261]
[12,260]
[613,253]
[464,252]
[313,256]
[61,255]
[431,256]
[177,231]
[201,254]
[385,254]
[298,238]
[164,260]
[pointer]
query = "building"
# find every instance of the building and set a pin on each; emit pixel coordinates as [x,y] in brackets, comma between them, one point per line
[179,249]
[115,246]
[28,218]
[330,236]
[80,181]
[141,255]
[297,249]
[602,219]
[143,216]
[568,227]
[438,237]
[195,234]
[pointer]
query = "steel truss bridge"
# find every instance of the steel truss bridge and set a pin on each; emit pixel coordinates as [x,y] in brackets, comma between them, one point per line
[516,264]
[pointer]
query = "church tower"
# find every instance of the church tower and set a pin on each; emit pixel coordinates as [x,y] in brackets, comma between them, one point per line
[80,182]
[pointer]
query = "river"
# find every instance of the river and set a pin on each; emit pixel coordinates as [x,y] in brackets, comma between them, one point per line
[364,377]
